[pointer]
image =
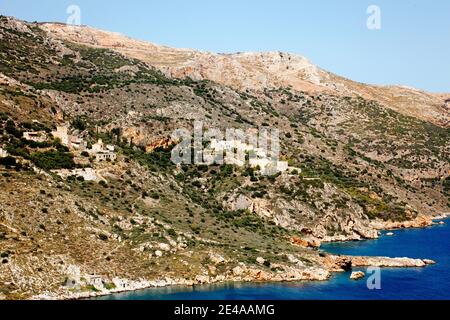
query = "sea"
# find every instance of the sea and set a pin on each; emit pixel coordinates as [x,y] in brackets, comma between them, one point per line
[429,283]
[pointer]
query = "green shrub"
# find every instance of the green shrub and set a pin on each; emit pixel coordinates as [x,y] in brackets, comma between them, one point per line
[8,161]
[50,160]
[103,237]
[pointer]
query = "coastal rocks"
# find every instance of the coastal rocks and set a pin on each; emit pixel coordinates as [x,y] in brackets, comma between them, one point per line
[260,260]
[285,273]
[288,274]
[95,281]
[202,279]
[294,260]
[297,274]
[337,263]
[419,222]
[72,282]
[238,271]
[389,262]
[353,235]
[306,243]
[346,263]
[357,275]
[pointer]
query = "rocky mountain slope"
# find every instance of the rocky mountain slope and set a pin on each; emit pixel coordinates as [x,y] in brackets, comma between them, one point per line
[257,71]
[364,163]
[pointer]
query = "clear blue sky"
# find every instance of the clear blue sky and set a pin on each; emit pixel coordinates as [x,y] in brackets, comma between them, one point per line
[412,47]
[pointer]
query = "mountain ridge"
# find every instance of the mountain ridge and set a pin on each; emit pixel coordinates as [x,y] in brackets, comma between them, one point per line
[257,70]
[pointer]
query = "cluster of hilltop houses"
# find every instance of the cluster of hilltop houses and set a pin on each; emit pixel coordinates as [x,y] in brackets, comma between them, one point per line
[258,157]
[72,140]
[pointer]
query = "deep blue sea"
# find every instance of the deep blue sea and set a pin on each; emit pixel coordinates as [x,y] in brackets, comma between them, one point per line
[432,282]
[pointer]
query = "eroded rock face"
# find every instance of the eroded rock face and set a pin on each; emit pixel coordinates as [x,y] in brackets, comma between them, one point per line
[337,263]
[160,143]
[351,224]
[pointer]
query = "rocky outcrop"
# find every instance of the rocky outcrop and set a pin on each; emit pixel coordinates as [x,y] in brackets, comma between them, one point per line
[385,262]
[288,273]
[306,243]
[337,263]
[420,222]
[160,143]
[244,273]
[357,275]
[346,263]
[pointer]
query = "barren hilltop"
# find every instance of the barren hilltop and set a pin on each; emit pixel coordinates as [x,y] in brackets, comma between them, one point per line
[92,204]
[257,71]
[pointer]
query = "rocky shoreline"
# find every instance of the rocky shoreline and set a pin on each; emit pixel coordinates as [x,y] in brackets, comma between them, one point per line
[242,273]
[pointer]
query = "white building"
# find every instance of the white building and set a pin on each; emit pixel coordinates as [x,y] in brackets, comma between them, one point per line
[268,166]
[110,148]
[103,152]
[38,136]
[282,166]
[230,145]
[3,153]
[104,156]
[101,147]
[259,162]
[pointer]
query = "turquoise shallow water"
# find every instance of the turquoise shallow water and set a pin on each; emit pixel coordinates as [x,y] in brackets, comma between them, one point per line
[432,282]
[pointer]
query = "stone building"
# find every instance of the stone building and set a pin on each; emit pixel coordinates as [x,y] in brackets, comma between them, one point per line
[38,136]
[62,133]
[71,141]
